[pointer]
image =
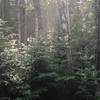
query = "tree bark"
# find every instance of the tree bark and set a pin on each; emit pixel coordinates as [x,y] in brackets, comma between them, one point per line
[38,20]
[4,10]
[21,20]
[65,29]
[98,33]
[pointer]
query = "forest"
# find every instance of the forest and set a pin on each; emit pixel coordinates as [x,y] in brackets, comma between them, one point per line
[49,49]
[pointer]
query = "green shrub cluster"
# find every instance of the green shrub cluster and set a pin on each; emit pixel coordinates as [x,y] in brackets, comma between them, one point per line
[29,73]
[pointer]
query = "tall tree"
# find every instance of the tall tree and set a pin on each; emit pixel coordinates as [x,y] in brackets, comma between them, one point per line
[61,43]
[21,20]
[4,9]
[82,32]
[98,32]
[38,20]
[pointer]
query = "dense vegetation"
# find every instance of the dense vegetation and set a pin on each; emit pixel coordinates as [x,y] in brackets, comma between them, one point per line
[58,65]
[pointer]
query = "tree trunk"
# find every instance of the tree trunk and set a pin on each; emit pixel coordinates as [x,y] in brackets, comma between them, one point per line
[38,21]
[97,9]
[98,32]
[21,21]
[65,29]
[4,10]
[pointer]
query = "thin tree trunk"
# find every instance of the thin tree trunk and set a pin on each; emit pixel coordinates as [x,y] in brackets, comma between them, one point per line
[4,10]
[18,19]
[97,9]
[98,32]
[21,21]
[65,28]
[38,20]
